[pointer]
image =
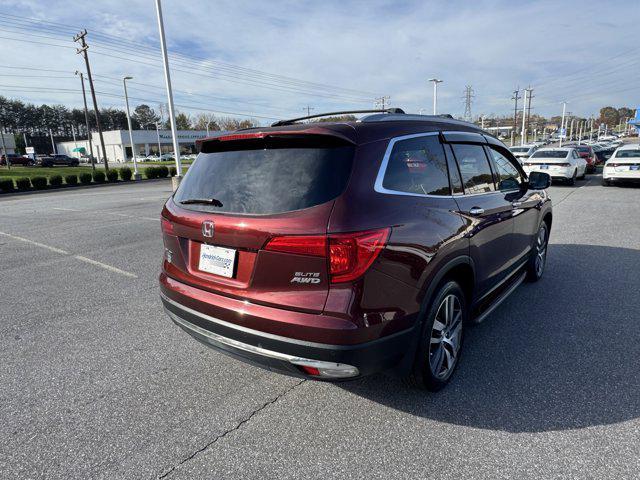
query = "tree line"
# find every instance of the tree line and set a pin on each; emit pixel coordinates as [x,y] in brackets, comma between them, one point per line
[37,120]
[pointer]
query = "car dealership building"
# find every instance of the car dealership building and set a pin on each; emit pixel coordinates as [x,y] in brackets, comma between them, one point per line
[146,142]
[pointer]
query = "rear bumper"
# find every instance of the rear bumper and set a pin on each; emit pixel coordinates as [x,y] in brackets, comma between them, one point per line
[287,355]
[609,173]
[554,172]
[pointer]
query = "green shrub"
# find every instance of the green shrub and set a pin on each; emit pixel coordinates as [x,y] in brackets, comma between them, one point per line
[55,180]
[163,171]
[98,176]
[39,183]
[112,175]
[23,183]
[72,179]
[6,185]
[126,174]
[172,171]
[85,178]
[151,172]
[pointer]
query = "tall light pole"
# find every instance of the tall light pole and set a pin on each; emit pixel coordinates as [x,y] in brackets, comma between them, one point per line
[435,81]
[136,174]
[158,133]
[564,109]
[167,79]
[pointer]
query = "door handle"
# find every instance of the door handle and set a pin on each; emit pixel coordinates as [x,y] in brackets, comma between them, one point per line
[475,211]
[516,204]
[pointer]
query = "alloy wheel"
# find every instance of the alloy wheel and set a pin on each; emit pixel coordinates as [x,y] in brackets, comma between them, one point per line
[541,251]
[446,336]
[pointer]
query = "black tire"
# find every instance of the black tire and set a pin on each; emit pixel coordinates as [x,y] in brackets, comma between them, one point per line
[538,258]
[606,183]
[572,181]
[442,352]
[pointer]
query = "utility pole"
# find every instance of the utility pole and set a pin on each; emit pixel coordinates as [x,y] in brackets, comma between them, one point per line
[83,50]
[591,131]
[564,109]
[73,132]
[469,94]
[516,97]
[571,128]
[435,81]
[167,80]
[86,120]
[524,116]
[381,102]
[308,109]
[530,90]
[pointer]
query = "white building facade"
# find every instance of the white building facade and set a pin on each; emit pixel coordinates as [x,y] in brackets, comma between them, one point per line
[118,146]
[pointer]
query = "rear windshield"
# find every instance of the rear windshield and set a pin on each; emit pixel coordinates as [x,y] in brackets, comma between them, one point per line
[628,154]
[266,180]
[582,149]
[550,154]
[519,149]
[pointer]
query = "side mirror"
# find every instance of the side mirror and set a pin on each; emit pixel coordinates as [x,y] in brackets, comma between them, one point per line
[539,180]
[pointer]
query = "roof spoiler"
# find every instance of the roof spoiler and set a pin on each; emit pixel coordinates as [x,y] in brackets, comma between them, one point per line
[291,121]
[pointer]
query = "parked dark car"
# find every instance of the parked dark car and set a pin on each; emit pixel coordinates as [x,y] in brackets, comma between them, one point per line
[16,159]
[335,250]
[57,159]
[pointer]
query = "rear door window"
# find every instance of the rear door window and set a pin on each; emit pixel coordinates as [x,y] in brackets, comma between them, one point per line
[266,177]
[417,165]
[474,168]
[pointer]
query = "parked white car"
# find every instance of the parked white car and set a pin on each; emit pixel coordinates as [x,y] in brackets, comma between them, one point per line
[623,165]
[522,152]
[560,163]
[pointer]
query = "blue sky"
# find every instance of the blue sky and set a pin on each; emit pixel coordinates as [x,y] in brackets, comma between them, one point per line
[352,51]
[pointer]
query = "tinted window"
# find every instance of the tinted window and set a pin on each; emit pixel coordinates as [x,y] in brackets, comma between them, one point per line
[628,154]
[550,154]
[474,168]
[417,165]
[266,180]
[508,175]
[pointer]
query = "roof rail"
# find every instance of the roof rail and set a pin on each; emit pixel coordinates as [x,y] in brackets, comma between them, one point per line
[291,121]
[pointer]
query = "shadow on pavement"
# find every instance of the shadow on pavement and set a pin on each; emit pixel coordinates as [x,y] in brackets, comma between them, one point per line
[560,354]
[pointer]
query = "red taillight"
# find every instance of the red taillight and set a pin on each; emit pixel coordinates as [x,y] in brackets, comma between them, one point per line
[167,226]
[299,244]
[349,254]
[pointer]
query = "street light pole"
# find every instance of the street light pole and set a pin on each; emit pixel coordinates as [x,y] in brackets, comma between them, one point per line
[167,79]
[136,174]
[159,147]
[564,109]
[435,81]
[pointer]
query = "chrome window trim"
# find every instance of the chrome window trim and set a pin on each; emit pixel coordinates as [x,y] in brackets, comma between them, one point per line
[385,162]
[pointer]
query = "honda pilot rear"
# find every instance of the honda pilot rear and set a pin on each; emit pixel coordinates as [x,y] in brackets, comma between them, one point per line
[249,261]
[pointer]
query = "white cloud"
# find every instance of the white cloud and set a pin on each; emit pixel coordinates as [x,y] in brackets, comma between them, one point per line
[561,48]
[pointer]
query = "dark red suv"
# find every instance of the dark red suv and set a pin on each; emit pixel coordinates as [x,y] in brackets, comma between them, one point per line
[334,250]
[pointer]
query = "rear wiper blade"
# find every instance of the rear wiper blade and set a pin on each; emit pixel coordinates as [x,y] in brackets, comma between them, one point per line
[214,202]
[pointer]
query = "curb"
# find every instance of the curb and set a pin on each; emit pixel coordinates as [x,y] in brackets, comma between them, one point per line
[65,187]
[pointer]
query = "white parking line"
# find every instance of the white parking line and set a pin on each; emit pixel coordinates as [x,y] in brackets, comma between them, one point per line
[64,252]
[107,213]
[105,266]
[37,244]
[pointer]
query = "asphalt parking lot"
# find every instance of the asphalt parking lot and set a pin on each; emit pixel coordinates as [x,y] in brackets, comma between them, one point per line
[96,382]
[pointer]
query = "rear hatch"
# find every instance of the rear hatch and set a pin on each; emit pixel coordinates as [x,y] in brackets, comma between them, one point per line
[245,191]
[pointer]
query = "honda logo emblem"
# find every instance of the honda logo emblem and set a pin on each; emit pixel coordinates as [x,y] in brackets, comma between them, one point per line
[207,229]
